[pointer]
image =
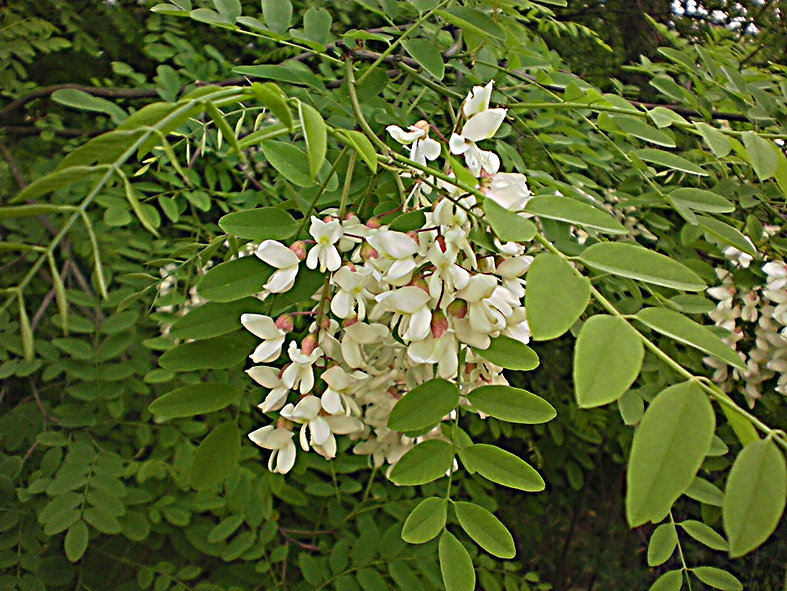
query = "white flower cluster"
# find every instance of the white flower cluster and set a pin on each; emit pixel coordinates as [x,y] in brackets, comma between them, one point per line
[757,321]
[397,308]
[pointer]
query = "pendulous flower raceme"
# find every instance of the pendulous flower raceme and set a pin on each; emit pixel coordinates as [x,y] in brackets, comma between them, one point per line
[398,308]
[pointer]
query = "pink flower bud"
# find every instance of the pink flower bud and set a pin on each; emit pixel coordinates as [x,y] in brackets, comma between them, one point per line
[457,309]
[439,324]
[422,124]
[325,323]
[374,223]
[285,323]
[441,243]
[420,283]
[369,252]
[309,344]
[299,248]
[328,218]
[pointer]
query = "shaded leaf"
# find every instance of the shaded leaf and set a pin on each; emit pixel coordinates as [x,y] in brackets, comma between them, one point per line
[668,448]
[216,456]
[512,404]
[556,296]
[193,399]
[424,406]
[755,496]
[607,359]
[456,565]
[486,530]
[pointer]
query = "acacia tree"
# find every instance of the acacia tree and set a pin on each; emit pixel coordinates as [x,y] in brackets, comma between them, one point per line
[384,223]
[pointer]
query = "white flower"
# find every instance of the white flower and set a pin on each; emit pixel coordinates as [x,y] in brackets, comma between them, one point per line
[268,377]
[395,259]
[272,337]
[341,386]
[284,260]
[353,293]
[359,335]
[324,252]
[480,126]
[478,99]
[411,304]
[315,429]
[423,147]
[509,190]
[300,373]
[280,442]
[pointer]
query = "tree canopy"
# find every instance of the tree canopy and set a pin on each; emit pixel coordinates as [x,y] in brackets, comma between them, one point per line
[381,294]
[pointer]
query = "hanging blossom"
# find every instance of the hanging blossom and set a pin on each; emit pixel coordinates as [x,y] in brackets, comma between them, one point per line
[398,308]
[755,317]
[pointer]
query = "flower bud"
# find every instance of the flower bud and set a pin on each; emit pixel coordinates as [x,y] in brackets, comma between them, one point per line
[325,323]
[299,248]
[349,321]
[285,323]
[309,344]
[368,252]
[420,283]
[374,223]
[457,309]
[423,124]
[439,324]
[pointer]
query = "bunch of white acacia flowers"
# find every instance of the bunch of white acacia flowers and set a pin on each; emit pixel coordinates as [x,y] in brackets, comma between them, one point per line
[756,318]
[397,308]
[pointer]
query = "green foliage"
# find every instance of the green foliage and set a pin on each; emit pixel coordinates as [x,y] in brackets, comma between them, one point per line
[124,397]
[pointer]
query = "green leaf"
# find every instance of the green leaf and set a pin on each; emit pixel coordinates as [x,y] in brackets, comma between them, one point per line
[701,200]
[317,24]
[508,226]
[361,144]
[668,448]
[635,262]
[727,234]
[456,565]
[274,100]
[683,329]
[705,492]
[235,279]
[290,72]
[426,521]
[79,99]
[763,154]
[224,529]
[217,353]
[76,541]
[556,296]
[566,209]
[230,9]
[663,542]
[216,456]
[473,21]
[639,129]
[277,15]
[56,180]
[289,160]
[215,319]
[670,581]
[755,496]
[510,354]
[316,135]
[427,461]
[719,143]
[407,222]
[194,399]
[427,55]
[263,223]
[607,359]
[502,467]
[424,406]
[704,534]
[669,160]
[512,404]
[133,197]
[102,520]
[717,578]
[486,530]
